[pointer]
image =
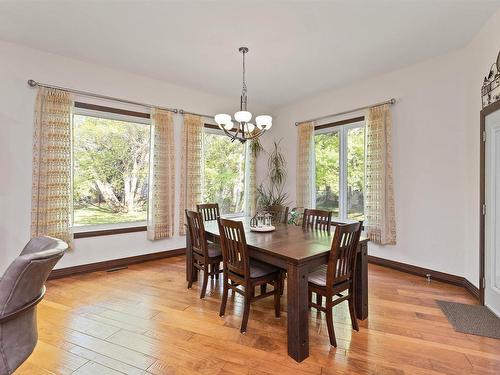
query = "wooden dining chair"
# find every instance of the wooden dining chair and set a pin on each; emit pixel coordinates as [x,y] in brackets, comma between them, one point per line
[337,276]
[209,211]
[240,270]
[279,213]
[317,219]
[207,257]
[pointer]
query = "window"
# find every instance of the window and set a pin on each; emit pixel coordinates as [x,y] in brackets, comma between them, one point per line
[111,168]
[223,171]
[340,169]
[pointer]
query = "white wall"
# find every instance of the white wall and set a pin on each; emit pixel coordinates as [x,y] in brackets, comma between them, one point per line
[435,151]
[17,65]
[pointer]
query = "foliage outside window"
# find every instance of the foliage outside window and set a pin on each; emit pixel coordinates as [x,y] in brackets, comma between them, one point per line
[111,165]
[340,170]
[223,172]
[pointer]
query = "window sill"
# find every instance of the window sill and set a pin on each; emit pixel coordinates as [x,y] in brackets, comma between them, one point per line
[109,232]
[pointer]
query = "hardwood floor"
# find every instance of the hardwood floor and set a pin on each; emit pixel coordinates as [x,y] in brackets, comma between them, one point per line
[143,320]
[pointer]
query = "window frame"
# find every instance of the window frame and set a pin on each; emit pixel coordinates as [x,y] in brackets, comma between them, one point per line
[341,127]
[214,129]
[109,113]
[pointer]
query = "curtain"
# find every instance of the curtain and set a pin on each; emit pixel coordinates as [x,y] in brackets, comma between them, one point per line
[191,166]
[251,179]
[162,176]
[305,154]
[51,199]
[379,195]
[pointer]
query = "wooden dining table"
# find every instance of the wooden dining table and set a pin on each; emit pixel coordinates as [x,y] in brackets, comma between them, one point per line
[297,251]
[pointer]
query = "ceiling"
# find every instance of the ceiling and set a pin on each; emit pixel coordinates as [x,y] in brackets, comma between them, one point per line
[297,48]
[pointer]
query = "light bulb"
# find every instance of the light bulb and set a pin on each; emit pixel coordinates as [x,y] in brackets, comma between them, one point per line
[228,125]
[242,116]
[264,122]
[222,119]
[249,127]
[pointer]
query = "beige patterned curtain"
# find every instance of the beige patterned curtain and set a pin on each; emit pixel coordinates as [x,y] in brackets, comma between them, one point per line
[251,180]
[191,166]
[51,199]
[379,196]
[305,148]
[162,176]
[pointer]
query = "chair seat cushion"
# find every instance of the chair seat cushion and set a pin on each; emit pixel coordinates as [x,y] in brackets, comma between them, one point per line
[318,276]
[259,269]
[214,250]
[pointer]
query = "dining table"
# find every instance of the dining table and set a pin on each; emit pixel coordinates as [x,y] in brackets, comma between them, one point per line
[298,251]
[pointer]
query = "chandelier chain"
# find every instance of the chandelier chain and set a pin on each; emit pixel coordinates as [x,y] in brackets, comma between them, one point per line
[244,91]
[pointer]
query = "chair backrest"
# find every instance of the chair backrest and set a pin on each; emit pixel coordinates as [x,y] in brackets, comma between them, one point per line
[279,212]
[317,219]
[234,247]
[342,261]
[210,211]
[21,288]
[196,229]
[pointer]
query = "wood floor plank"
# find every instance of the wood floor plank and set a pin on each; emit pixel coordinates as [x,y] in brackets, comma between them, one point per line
[93,368]
[143,320]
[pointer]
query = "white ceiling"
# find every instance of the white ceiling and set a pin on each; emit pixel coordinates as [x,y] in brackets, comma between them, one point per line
[297,48]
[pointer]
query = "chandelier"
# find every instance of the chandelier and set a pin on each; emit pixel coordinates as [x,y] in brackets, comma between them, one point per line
[244,129]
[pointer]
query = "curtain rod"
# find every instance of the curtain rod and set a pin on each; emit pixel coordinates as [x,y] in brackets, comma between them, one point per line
[33,83]
[183,112]
[390,102]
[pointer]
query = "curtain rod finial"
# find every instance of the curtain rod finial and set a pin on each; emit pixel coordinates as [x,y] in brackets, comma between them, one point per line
[392,101]
[32,83]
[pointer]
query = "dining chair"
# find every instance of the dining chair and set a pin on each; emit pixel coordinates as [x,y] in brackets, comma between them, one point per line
[207,256]
[317,219]
[209,211]
[240,270]
[337,276]
[21,289]
[279,213]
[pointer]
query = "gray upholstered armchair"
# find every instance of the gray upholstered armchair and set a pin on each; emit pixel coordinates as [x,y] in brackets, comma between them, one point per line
[21,288]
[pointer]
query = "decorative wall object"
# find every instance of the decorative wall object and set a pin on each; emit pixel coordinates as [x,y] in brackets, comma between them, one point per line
[490,92]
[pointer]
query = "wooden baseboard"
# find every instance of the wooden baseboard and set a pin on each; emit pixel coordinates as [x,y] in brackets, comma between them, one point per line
[114,263]
[420,271]
[471,288]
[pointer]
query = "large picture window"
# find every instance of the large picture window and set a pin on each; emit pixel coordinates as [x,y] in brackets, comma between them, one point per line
[223,172]
[111,168]
[340,170]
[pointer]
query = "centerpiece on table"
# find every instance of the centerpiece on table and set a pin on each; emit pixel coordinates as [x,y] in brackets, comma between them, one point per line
[262,222]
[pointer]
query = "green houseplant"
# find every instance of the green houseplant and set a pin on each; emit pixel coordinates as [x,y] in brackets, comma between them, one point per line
[272,192]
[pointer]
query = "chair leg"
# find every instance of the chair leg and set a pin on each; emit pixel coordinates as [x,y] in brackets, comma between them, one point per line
[191,277]
[329,325]
[225,290]
[217,265]
[277,298]
[211,268]
[282,282]
[319,299]
[263,288]
[205,281]
[246,309]
[352,311]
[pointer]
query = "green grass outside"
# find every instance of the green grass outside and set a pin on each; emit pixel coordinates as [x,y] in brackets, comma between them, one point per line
[92,215]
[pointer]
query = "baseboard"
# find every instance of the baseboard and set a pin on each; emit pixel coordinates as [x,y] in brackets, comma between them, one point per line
[114,263]
[420,271]
[471,288]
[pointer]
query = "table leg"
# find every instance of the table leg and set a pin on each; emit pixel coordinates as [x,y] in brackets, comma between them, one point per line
[361,282]
[297,312]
